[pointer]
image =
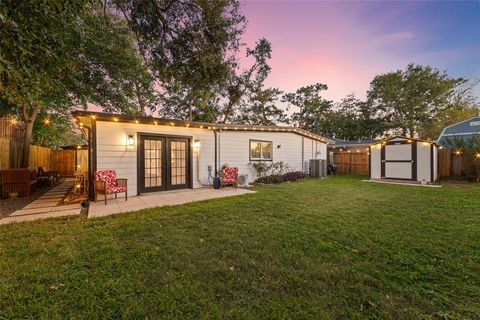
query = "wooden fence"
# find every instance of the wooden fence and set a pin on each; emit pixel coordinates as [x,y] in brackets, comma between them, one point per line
[62,161]
[351,162]
[449,163]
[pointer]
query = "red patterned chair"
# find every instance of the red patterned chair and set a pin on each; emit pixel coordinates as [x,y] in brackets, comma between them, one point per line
[106,183]
[229,175]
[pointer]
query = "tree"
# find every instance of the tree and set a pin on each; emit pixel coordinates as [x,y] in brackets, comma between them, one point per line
[311,107]
[409,99]
[56,55]
[462,105]
[250,79]
[189,45]
[55,130]
[261,108]
[352,119]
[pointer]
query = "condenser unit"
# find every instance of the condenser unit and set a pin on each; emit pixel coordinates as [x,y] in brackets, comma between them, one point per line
[243,180]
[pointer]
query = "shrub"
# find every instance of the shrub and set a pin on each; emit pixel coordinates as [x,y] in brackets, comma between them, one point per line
[274,178]
[268,169]
[294,176]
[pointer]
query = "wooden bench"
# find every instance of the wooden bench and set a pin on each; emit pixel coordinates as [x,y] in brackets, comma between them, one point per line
[21,181]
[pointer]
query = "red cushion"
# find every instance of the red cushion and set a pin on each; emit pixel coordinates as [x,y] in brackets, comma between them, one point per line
[118,189]
[230,175]
[110,178]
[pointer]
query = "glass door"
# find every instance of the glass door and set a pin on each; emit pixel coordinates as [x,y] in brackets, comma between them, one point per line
[164,163]
[153,151]
[178,163]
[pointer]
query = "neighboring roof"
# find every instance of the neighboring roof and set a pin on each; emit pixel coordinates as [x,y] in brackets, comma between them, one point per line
[463,129]
[345,144]
[102,116]
[401,137]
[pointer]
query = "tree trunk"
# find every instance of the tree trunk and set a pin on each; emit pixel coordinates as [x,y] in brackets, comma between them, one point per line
[27,138]
[27,141]
[412,132]
[190,112]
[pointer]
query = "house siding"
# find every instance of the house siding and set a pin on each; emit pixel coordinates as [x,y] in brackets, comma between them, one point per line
[233,149]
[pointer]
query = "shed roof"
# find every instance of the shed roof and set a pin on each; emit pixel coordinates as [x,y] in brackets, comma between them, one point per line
[461,130]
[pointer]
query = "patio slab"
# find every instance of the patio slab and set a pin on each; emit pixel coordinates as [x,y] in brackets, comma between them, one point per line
[46,206]
[160,199]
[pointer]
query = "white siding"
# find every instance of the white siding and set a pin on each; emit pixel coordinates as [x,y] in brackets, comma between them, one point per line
[113,153]
[423,161]
[234,149]
[375,165]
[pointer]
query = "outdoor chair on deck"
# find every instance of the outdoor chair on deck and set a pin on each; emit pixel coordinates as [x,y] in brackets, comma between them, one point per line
[106,183]
[229,175]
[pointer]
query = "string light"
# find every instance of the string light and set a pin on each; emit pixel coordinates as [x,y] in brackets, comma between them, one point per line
[115,119]
[13,121]
[78,147]
[46,121]
[477,156]
[93,117]
[136,121]
[458,152]
[155,121]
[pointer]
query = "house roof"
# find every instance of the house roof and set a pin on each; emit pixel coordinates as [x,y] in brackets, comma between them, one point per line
[465,128]
[345,144]
[85,117]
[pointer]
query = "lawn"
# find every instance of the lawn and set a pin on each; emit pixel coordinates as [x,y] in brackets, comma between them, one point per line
[337,248]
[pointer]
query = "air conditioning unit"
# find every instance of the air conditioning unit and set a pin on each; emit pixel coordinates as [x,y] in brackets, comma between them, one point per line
[318,168]
[243,180]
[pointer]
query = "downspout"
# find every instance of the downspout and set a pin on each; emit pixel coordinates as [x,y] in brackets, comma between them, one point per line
[216,165]
[303,155]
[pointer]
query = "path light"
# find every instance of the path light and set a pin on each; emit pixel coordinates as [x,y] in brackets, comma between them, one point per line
[196,145]
[130,140]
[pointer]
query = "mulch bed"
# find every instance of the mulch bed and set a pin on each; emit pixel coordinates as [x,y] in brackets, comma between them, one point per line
[10,205]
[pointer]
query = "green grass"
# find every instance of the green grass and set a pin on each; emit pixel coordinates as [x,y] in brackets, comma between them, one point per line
[336,249]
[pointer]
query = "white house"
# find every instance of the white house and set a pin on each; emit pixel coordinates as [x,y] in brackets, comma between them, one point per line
[159,154]
[402,158]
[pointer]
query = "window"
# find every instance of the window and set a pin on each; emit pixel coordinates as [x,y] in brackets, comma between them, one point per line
[260,150]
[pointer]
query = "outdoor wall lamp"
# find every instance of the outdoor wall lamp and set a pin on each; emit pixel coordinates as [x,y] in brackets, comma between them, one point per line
[130,140]
[196,145]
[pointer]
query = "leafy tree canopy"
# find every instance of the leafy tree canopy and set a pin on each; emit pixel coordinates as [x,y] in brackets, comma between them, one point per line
[409,99]
[310,107]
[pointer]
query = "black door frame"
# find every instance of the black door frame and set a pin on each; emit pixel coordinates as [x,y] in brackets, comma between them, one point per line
[166,170]
[413,160]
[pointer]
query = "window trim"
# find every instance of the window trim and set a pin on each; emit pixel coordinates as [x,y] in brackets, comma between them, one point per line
[261,150]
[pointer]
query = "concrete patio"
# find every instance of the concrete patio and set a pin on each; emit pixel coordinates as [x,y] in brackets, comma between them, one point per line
[46,206]
[159,199]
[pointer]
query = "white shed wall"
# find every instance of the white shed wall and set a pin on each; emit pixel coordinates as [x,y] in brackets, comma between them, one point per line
[375,165]
[423,161]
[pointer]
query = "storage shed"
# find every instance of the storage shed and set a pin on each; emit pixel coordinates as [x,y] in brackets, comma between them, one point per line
[401,158]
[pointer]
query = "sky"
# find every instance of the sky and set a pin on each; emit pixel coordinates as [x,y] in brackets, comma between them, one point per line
[344,44]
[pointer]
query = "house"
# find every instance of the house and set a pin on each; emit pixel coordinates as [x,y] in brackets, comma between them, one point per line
[401,158]
[462,132]
[352,146]
[157,154]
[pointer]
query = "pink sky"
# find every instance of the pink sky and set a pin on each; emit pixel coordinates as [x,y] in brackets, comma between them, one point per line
[345,44]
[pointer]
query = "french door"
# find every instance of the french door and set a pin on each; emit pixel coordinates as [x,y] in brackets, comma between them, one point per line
[164,163]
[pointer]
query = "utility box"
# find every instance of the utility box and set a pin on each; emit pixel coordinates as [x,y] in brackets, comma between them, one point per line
[318,168]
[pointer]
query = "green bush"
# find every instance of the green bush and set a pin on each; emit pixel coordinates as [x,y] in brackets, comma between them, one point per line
[294,176]
[271,179]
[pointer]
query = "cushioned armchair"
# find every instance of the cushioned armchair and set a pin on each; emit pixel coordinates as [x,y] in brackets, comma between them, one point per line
[106,183]
[229,175]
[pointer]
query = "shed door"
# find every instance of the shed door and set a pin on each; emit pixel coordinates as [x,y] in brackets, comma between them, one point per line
[398,160]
